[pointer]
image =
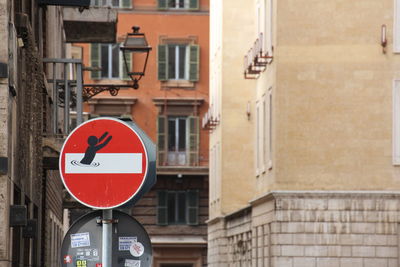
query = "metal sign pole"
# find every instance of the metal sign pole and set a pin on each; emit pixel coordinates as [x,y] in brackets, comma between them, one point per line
[107,238]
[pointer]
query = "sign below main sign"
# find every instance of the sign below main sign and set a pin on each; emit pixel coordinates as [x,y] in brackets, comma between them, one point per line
[103,163]
[83,242]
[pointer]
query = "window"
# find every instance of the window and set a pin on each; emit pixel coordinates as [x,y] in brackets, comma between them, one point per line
[112,3]
[178,4]
[177,134]
[109,59]
[215,181]
[264,14]
[178,140]
[268,129]
[263,149]
[396,122]
[177,207]
[259,137]
[178,62]
[396,28]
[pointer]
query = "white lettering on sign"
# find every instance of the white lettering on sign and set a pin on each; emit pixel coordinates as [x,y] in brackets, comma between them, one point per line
[125,242]
[104,163]
[80,240]
[132,263]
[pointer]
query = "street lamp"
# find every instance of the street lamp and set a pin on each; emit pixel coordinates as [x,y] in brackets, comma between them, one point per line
[135,47]
[138,49]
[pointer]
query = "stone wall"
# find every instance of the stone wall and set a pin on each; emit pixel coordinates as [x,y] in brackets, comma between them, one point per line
[217,251]
[312,229]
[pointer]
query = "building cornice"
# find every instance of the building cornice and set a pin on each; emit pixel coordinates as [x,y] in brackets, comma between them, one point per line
[181,101]
[183,170]
[324,194]
[178,241]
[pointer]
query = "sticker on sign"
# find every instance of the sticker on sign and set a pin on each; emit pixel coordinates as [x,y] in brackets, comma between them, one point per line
[80,240]
[125,242]
[131,263]
[136,249]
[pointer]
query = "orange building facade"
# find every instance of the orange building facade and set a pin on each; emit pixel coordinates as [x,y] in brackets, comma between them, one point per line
[172,96]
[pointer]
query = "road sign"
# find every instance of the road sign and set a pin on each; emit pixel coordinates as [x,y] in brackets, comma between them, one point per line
[82,243]
[104,163]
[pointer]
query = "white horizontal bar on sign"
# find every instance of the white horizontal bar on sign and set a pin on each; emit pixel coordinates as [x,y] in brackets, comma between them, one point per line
[105,163]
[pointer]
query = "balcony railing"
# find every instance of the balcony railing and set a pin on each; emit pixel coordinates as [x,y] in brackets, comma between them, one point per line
[256,60]
[66,91]
[209,121]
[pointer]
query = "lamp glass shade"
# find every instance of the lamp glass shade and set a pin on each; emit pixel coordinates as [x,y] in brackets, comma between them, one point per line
[136,43]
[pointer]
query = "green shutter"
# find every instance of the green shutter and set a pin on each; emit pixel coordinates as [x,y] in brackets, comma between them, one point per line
[126,3]
[162,62]
[128,57]
[162,208]
[161,140]
[162,4]
[96,2]
[193,145]
[192,206]
[95,60]
[194,52]
[194,4]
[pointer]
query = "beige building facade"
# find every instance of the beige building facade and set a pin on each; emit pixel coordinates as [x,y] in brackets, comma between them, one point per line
[305,133]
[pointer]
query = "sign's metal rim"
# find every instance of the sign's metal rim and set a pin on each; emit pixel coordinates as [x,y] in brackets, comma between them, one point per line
[144,176]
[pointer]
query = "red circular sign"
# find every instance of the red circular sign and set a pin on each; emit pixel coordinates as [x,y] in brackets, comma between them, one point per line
[103,163]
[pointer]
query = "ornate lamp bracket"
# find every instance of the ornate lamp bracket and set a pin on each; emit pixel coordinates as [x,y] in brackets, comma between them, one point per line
[91,90]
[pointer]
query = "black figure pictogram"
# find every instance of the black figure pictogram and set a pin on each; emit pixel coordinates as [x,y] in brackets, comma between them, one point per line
[93,147]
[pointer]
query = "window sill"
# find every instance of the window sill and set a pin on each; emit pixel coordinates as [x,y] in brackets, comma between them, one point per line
[180,9]
[184,170]
[178,84]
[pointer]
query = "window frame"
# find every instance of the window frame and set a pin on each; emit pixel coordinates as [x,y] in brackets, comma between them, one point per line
[185,4]
[110,63]
[396,27]
[177,59]
[264,133]
[192,62]
[186,213]
[120,3]
[96,60]
[189,5]
[396,123]
[178,126]
[268,128]
[192,141]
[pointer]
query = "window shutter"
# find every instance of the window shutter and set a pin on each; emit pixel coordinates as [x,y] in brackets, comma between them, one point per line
[162,4]
[162,62]
[193,140]
[396,30]
[270,30]
[162,208]
[192,201]
[126,3]
[95,61]
[95,2]
[194,52]
[122,67]
[194,4]
[396,122]
[161,140]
